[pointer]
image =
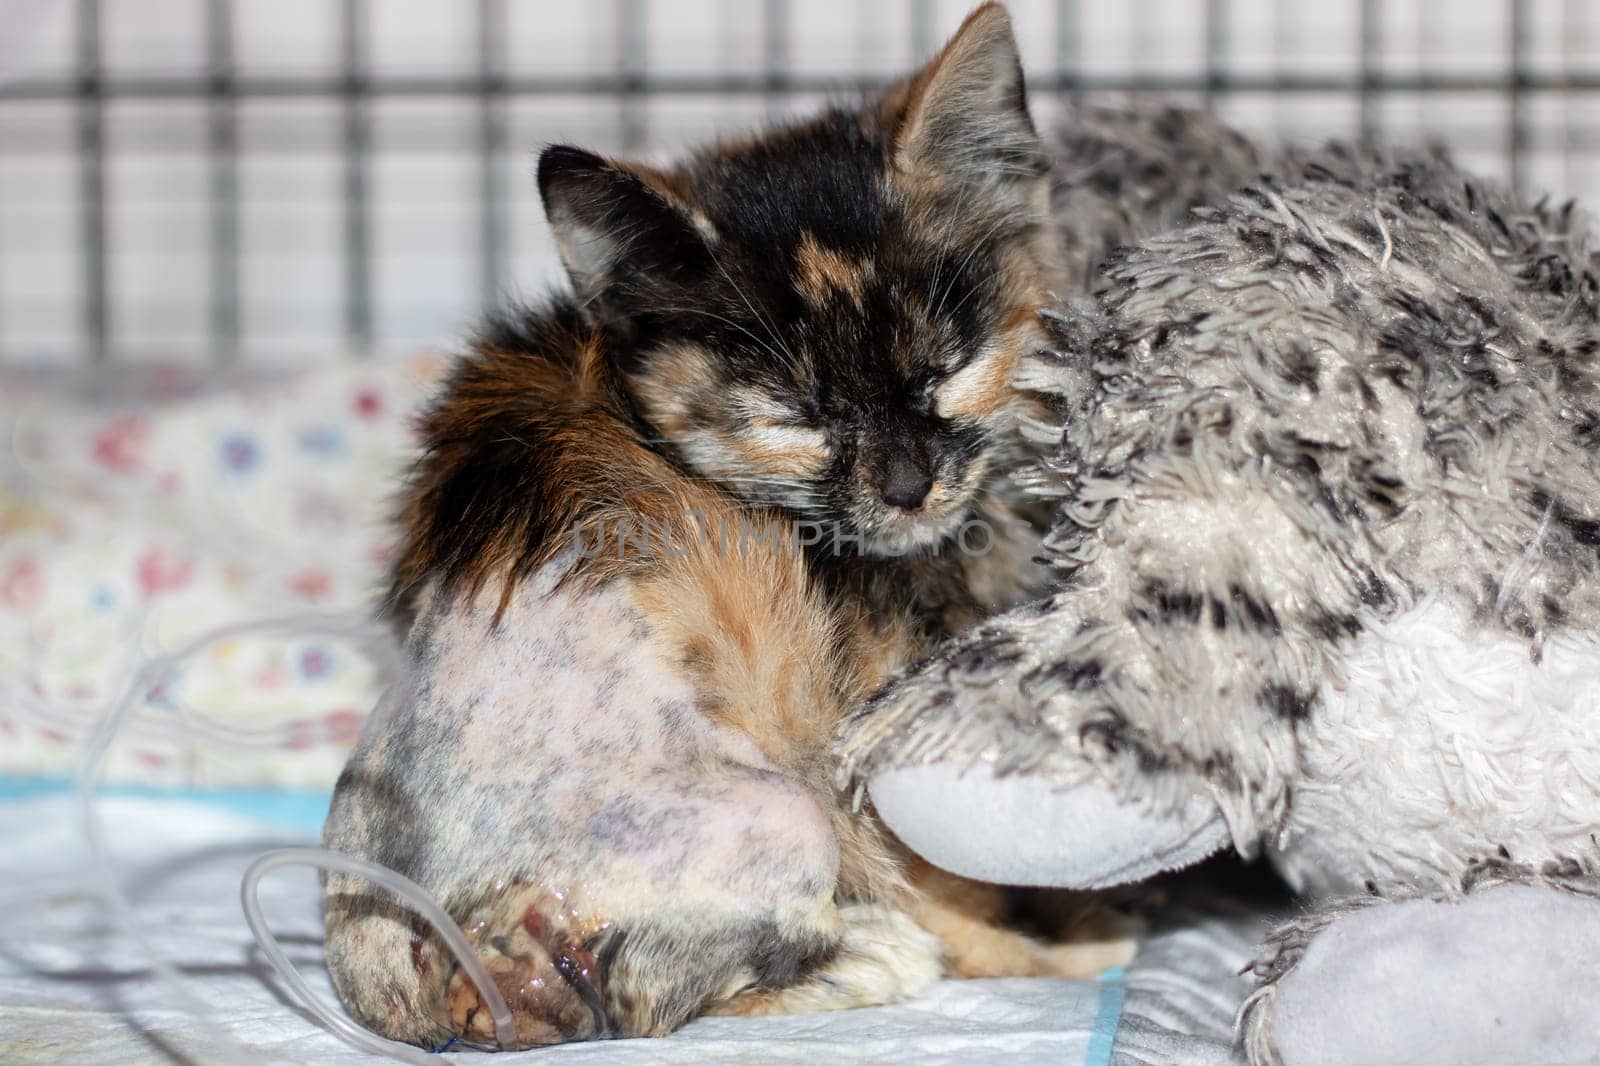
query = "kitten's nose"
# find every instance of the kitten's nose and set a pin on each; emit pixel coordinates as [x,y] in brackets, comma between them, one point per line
[906,483]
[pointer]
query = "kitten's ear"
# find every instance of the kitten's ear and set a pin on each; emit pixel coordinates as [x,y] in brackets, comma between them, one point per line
[966,113]
[618,233]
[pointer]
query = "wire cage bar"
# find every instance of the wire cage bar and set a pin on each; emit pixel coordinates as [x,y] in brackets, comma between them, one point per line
[492,87]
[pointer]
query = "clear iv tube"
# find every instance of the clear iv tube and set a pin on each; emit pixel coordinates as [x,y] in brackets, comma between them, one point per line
[338,1023]
[97,749]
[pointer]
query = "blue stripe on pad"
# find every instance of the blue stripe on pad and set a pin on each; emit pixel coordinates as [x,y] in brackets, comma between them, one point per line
[300,809]
[1113,991]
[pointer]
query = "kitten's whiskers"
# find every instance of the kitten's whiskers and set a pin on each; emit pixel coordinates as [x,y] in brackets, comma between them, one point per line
[770,350]
[765,322]
[978,244]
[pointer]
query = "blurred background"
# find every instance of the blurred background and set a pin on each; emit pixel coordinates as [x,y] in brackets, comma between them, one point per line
[284,181]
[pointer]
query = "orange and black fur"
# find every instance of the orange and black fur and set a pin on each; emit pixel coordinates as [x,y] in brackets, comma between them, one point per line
[823,319]
[810,335]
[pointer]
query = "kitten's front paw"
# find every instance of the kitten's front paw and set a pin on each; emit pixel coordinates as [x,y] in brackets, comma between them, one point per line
[1080,961]
[885,957]
[1096,937]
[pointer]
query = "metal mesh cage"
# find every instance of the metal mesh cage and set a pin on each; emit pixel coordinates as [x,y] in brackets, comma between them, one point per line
[216,180]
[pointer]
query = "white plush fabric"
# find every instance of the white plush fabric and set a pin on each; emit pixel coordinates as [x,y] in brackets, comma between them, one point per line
[1020,830]
[1440,744]
[1436,743]
[1507,975]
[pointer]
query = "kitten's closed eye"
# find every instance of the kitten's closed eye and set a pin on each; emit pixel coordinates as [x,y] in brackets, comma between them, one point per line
[778,438]
[973,389]
[808,445]
[767,412]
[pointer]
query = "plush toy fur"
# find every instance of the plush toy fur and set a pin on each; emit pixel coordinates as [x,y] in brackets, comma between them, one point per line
[1558,974]
[1367,382]
[1328,512]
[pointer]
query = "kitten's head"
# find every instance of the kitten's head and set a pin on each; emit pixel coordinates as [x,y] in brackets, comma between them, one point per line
[827,317]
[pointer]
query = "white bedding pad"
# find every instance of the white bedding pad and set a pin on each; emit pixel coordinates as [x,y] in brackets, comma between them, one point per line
[73,990]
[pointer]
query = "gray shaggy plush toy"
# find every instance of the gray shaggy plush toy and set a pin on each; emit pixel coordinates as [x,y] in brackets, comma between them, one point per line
[1327,485]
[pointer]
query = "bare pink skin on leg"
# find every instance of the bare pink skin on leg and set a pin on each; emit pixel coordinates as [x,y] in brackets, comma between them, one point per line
[550,779]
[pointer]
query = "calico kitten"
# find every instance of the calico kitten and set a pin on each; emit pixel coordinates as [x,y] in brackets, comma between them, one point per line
[613,761]
[616,773]
[826,319]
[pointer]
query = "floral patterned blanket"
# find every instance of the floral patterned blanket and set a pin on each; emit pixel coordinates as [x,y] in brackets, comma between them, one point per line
[143,510]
